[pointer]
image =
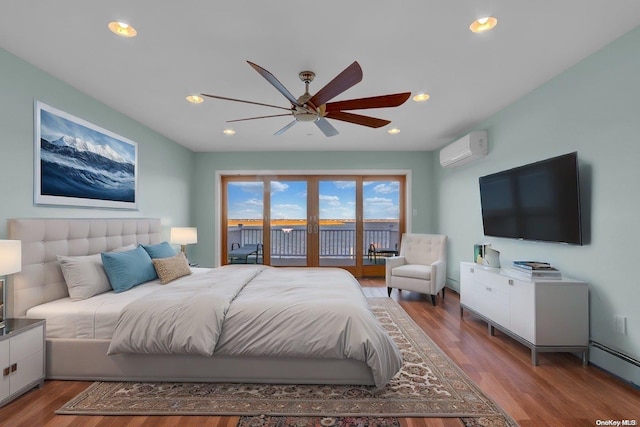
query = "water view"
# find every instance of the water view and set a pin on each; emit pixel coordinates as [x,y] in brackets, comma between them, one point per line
[333,218]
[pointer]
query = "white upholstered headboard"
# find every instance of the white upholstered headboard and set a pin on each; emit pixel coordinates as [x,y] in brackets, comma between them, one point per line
[42,239]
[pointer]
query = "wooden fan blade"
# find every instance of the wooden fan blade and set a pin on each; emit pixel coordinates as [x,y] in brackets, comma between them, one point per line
[246,102]
[271,79]
[284,129]
[382,101]
[259,117]
[357,119]
[326,127]
[349,77]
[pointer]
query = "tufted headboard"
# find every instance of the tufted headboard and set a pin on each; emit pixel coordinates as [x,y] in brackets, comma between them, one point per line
[42,239]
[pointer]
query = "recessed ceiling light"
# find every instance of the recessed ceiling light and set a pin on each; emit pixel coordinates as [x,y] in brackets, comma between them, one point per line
[421,97]
[195,99]
[229,132]
[394,131]
[122,29]
[483,24]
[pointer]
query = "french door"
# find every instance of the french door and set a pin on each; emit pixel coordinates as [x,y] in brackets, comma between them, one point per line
[351,222]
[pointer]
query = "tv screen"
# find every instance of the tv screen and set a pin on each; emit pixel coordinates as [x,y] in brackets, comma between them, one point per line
[538,201]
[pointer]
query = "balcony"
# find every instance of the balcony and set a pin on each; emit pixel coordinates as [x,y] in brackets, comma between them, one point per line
[337,244]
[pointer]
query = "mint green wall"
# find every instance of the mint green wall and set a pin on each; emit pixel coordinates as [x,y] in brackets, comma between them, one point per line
[594,109]
[207,164]
[164,166]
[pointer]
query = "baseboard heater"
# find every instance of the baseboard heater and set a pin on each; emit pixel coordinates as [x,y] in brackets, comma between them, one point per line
[616,353]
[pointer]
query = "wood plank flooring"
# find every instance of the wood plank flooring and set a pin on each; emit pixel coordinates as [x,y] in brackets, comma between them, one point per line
[558,392]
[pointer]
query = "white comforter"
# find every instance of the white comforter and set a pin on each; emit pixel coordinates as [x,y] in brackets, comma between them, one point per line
[260,311]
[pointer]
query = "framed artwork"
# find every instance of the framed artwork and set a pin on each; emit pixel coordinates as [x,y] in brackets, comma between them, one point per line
[80,164]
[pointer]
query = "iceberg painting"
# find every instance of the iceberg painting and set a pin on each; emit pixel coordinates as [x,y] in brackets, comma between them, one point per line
[80,164]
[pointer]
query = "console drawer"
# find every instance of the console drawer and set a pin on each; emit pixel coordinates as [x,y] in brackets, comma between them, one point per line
[492,280]
[492,302]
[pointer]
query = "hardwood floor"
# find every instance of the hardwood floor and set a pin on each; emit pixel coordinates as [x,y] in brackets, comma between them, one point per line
[558,392]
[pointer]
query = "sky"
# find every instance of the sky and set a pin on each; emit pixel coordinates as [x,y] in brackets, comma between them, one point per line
[337,200]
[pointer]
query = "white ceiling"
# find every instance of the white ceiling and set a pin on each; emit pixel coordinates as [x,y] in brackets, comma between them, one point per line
[189,46]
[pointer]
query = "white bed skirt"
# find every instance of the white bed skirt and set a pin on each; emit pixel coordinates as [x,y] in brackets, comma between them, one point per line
[84,360]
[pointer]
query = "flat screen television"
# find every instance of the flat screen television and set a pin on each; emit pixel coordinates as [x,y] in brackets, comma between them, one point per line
[539,201]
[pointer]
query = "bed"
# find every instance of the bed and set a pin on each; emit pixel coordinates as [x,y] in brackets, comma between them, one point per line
[82,335]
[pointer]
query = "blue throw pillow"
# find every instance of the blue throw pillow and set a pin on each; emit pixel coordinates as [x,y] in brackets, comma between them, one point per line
[161,250]
[128,269]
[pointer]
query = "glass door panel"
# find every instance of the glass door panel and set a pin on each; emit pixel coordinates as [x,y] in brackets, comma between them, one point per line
[243,240]
[352,222]
[288,223]
[381,213]
[336,223]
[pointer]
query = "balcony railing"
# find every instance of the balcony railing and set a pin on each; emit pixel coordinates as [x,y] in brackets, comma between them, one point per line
[333,242]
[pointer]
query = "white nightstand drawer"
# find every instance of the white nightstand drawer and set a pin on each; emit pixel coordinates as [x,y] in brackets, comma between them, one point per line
[22,353]
[27,343]
[27,371]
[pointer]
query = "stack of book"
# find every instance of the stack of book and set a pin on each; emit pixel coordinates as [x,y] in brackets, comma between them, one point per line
[536,270]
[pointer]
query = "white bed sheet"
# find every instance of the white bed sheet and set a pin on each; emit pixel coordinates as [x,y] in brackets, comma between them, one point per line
[93,318]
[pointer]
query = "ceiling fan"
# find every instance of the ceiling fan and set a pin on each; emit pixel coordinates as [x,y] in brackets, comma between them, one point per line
[317,109]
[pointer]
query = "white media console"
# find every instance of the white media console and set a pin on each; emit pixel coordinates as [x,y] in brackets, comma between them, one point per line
[544,315]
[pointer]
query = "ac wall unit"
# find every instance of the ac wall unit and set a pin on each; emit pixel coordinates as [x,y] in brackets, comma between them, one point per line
[464,150]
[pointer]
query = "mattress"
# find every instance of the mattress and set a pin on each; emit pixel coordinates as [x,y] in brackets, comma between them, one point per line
[92,318]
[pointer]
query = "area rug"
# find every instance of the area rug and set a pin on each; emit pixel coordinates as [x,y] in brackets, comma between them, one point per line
[270,421]
[428,385]
[266,421]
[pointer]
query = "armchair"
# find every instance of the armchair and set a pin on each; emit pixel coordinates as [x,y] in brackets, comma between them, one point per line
[421,265]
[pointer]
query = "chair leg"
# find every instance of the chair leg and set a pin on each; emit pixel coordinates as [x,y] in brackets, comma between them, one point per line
[443,293]
[433,300]
[388,291]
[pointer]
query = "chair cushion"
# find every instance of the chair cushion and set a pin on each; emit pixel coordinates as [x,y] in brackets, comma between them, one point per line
[423,248]
[413,271]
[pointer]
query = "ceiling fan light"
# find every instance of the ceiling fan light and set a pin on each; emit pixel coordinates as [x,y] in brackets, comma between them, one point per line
[229,132]
[306,117]
[481,25]
[394,131]
[122,29]
[421,97]
[195,99]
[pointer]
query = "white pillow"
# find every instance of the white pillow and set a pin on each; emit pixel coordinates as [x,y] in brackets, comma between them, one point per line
[84,275]
[125,248]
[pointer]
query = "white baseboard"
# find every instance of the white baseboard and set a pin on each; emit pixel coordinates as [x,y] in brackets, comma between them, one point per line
[615,365]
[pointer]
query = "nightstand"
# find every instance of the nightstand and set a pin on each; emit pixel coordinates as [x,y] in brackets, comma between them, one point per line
[22,357]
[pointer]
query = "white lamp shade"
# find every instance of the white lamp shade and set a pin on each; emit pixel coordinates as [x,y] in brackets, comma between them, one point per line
[184,235]
[10,256]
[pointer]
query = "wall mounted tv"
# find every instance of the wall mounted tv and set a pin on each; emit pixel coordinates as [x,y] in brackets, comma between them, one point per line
[539,201]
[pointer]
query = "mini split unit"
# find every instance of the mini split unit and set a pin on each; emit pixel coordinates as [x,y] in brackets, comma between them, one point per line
[468,148]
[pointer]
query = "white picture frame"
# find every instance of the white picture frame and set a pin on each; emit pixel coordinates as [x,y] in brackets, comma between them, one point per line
[80,164]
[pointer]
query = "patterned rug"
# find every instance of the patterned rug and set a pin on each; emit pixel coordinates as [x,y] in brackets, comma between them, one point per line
[266,421]
[428,385]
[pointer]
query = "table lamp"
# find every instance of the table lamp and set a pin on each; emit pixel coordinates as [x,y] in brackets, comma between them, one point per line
[184,236]
[10,262]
